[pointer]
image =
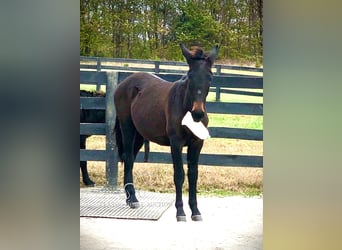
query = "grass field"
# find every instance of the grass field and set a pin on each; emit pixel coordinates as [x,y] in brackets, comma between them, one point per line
[212,180]
[218,181]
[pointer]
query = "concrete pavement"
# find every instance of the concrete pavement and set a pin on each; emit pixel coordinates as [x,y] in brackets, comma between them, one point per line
[228,223]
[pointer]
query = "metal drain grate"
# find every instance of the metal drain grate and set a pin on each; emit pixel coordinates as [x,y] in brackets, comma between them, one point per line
[108,203]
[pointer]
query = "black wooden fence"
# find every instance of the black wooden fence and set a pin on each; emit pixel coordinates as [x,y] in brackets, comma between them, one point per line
[153,66]
[111,79]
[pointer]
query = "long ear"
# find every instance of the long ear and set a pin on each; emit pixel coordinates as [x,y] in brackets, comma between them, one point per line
[186,53]
[213,54]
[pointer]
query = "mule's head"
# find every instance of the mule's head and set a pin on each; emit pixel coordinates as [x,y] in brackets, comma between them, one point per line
[199,78]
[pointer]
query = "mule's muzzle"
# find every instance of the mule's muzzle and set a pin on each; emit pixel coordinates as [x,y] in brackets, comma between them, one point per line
[197,111]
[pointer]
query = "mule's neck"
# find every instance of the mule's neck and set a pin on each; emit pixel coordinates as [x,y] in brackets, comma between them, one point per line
[187,102]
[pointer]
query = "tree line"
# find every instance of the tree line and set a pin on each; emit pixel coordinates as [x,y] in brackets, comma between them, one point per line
[153,29]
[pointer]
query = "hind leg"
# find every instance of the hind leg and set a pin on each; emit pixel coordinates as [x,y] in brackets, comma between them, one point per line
[130,149]
[147,150]
[138,143]
[132,201]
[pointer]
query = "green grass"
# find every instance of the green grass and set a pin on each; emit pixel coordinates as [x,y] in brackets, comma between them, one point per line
[236,121]
[237,98]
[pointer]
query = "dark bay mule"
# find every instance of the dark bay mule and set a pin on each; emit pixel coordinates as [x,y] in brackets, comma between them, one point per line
[95,116]
[149,107]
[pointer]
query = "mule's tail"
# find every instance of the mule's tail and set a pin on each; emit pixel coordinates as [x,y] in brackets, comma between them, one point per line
[118,137]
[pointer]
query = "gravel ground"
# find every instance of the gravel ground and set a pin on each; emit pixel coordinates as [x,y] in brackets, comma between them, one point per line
[228,223]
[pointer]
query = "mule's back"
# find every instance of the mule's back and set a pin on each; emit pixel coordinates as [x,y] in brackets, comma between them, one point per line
[142,98]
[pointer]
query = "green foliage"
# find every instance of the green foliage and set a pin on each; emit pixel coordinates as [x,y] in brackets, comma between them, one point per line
[153,29]
[196,26]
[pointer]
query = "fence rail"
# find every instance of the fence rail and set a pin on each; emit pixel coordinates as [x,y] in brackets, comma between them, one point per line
[111,79]
[154,66]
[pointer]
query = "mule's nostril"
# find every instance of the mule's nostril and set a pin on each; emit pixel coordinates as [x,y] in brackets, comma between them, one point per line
[197,115]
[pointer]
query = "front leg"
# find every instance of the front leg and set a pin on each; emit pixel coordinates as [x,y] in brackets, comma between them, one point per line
[178,177]
[194,150]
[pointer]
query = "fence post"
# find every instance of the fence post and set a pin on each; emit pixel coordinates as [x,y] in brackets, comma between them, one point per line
[98,69]
[218,93]
[111,148]
[218,90]
[218,69]
[156,67]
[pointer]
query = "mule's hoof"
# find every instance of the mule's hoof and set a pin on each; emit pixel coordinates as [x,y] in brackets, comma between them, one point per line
[197,217]
[181,218]
[133,204]
[89,183]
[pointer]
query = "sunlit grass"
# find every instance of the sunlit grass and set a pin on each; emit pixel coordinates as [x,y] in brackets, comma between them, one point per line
[212,180]
[235,121]
[217,181]
[236,98]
